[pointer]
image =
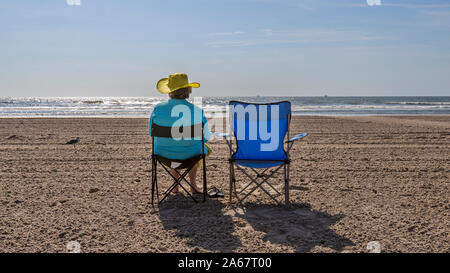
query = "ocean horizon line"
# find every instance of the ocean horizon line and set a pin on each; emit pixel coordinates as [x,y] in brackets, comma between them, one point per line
[248,96]
[215,105]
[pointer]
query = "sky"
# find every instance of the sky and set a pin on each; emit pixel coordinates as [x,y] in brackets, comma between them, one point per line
[232,47]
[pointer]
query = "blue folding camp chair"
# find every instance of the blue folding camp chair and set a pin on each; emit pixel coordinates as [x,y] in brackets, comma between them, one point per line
[259,131]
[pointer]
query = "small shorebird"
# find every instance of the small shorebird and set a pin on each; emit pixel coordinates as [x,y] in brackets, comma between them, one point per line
[73,141]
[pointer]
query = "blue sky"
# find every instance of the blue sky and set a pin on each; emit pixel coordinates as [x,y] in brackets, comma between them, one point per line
[232,47]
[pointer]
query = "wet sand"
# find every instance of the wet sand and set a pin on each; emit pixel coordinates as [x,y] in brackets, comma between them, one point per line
[353,180]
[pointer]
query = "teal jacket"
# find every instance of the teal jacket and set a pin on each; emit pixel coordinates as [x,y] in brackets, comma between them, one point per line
[174,113]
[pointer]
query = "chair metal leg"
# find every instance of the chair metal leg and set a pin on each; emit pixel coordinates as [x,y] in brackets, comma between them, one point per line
[177,182]
[260,176]
[286,184]
[259,185]
[153,181]
[156,181]
[205,187]
[288,179]
[231,182]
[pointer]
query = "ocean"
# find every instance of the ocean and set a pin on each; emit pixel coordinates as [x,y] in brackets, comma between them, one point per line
[214,106]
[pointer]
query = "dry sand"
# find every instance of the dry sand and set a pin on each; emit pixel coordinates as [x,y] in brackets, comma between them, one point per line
[353,180]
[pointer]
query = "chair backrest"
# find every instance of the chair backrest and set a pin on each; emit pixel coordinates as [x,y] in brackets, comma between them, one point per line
[182,133]
[260,129]
[194,131]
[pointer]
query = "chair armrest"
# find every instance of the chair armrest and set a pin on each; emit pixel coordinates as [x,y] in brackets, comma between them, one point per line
[224,135]
[297,137]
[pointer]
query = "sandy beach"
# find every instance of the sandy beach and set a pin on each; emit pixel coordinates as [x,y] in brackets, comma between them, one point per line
[353,180]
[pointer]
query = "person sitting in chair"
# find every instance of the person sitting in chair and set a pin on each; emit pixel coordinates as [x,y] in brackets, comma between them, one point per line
[176,112]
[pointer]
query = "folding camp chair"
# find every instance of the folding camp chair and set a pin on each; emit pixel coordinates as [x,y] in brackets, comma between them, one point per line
[176,164]
[256,148]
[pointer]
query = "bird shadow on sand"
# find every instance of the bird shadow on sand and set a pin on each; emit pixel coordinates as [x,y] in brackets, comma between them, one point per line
[203,224]
[297,226]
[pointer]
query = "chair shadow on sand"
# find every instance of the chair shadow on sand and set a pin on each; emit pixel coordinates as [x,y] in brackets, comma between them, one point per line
[203,224]
[297,226]
[206,226]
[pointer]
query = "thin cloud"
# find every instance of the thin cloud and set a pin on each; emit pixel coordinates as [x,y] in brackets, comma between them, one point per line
[436,14]
[400,5]
[438,18]
[229,43]
[273,37]
[226,33]
[420,6]
[302,4]
[320,35]
[266,31]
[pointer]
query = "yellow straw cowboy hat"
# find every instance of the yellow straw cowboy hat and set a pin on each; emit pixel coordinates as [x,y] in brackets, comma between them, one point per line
[174,82]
